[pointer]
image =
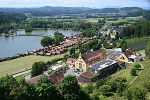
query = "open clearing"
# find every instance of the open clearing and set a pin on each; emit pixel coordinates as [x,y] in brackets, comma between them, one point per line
[23,63]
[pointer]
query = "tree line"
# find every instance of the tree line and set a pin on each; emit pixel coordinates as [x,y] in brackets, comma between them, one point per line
[10,22]
[44,89]
[137,30]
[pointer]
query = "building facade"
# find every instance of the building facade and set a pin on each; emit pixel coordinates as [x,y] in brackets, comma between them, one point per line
[85,60]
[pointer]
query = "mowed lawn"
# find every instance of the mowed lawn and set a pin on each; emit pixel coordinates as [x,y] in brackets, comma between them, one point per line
[23,63]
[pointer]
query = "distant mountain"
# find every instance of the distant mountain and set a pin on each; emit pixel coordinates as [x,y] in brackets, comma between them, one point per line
[147,8]
[50,11]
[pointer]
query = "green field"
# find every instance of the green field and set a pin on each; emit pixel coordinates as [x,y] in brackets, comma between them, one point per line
[23,63]
[125,73]
[133,80]
[145,75]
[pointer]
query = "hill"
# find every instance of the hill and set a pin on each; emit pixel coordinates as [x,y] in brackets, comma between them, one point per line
[51,11]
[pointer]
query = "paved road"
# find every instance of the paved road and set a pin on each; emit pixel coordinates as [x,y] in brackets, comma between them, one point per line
[22,73]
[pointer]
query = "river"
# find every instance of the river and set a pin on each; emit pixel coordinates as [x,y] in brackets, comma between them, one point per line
[10,46]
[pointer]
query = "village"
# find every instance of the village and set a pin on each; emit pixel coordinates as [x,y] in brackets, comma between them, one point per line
[88,67]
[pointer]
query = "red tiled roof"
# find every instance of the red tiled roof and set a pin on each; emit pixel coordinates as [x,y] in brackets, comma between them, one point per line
[35,79]
[94,55]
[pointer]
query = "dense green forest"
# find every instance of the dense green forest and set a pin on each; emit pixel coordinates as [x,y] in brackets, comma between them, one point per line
[138,30]
[10,22]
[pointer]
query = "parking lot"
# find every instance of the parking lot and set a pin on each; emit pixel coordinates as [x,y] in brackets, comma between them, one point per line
[72,72]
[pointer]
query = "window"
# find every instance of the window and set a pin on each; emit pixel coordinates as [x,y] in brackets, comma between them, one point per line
[80,65]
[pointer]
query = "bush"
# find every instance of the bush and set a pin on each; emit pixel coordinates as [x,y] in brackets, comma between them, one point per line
[133,71]
[89,88]
[135,93]
[138,66]
[106,90]
[101,82]
[147,86]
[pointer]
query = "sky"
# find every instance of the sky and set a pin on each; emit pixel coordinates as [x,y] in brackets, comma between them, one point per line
[75,3]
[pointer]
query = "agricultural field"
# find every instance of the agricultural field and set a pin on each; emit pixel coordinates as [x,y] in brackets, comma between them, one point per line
[138,43]
[120,19]
[23,63]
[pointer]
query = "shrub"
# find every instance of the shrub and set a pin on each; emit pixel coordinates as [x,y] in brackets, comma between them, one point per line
[106,90]
[133,72]
[147,86]
[135,93]
[138,66]
[89,88]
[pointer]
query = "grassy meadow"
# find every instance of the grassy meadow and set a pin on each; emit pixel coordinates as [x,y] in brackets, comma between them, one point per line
[23,63]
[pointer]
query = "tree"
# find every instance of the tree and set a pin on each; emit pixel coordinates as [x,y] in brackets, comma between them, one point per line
[59,37]
[46,41]
[97,47]
[71,90]
[147,50]
[38,68]
[133,72]
[72,51]
[89,33]
[89,88]
[135,93]
[124,47]
[6,85]
[66,56]
[44,80]
[84,48]
[23,91]
[47,91]
[106,90]
[101,82]
[147,85]
[95,95]
[118,85]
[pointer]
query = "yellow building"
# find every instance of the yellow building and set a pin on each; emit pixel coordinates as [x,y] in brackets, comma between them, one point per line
[117,55]
[85,60]
[122,57]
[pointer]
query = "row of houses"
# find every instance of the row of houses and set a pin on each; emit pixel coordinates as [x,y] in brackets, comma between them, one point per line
[52,49]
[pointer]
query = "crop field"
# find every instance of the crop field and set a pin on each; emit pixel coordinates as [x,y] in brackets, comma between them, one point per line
[23,63]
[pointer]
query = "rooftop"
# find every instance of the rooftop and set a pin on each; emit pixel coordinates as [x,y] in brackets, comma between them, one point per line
[71,61]
[103,64]
[88,74]
[35,79]
[93,55]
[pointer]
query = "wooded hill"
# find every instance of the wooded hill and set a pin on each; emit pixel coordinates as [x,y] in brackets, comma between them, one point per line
[50,11]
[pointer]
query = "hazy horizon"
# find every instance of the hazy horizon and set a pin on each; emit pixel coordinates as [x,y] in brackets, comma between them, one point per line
[74,3]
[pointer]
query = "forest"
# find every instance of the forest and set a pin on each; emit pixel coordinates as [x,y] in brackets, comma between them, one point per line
[10,21]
